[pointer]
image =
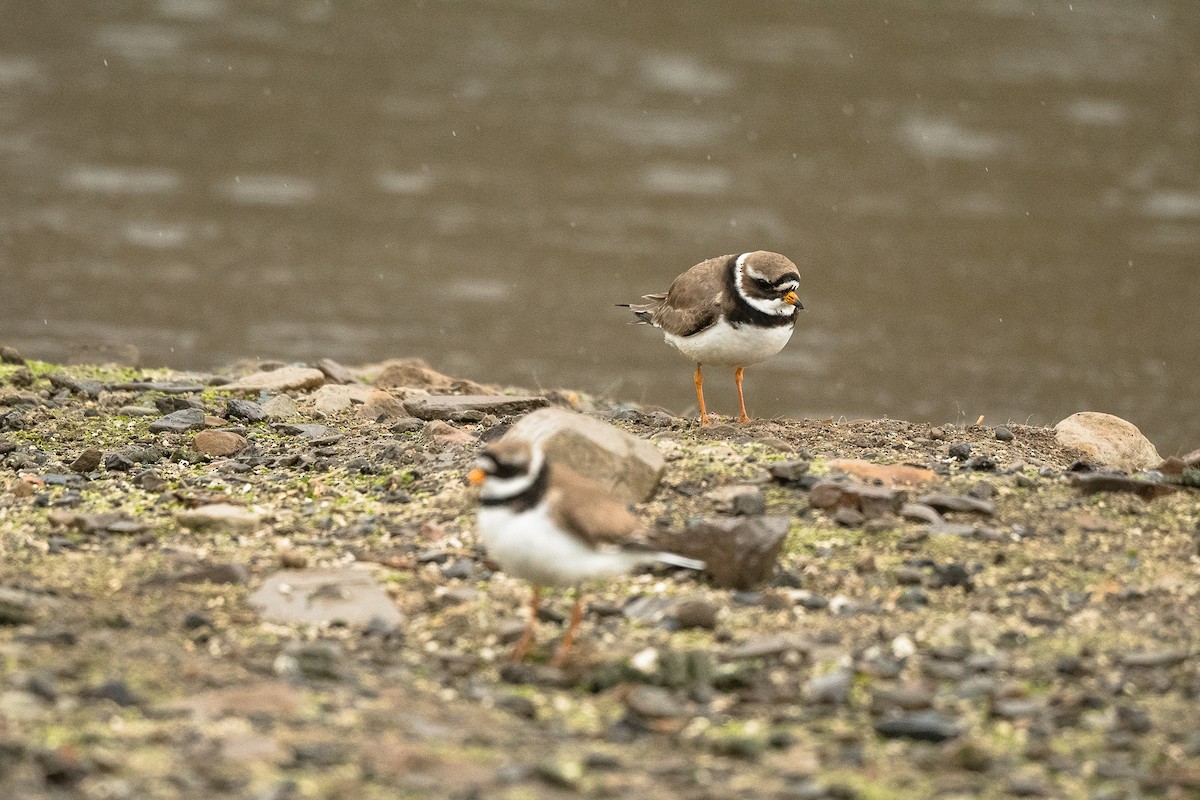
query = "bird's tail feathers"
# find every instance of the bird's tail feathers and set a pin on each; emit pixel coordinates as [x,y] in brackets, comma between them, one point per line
[676,560]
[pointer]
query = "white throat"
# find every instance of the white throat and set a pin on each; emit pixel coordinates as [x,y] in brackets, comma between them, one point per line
[503,488]
[774,306]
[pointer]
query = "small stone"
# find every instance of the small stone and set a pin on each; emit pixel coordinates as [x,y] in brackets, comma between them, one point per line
[281,407]
[337,398]
[381,405]
[887,474]
[695,614]
[789,473]
[1155,658]
[335,372]
[335,594]
[87,388]
[1002,434]
[250,411]
[451,407]
[219,516]
[407,425]
[919,512]
[137,411]
[947,502]
[314,660]
[832,688]
[739,552]
[118,462]
[217,572]
[651,702]
[116,691]
[292,559]
[446,433]
[849,517]
[960,451]
[926,726]
[218,443]
[9,355]
[87,461]
[172,403]
[182,421]
[770,645]
[278,380]
[1107,440]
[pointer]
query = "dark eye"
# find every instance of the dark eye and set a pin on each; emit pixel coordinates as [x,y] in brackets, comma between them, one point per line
[763,284]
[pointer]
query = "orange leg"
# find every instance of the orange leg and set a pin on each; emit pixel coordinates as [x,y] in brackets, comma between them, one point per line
[526,641]
[737,378]
[560,655]
[700,395]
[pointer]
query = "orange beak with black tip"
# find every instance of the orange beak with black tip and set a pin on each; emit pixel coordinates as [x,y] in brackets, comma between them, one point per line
[792,300]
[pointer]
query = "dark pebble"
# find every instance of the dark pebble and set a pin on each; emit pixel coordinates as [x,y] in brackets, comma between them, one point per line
[248,410]
[696,614]
[114,690]
[912,597]
[172,403]
[749,504]
[789,472]
[925,726]
[9,355]
[87,461]
[981,464]
[832,688]
[960,451]
[60,766]
[518,705]
[1003,434]
[195,619]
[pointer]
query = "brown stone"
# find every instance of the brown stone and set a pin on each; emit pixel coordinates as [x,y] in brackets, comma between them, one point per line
[218,443]
[739,553]
[413,373]
[87,461]
[277,380]
[887,474]
[1107,440]
[451,407]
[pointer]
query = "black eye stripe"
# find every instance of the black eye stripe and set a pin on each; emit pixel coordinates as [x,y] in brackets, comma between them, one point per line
[503,470]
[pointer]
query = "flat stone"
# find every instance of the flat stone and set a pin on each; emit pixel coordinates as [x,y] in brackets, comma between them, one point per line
[214,572]
[739,553]
[1095,482]
[382,405]
[1107,440]
[925,726]
[165,387]
[452,407]
[918,512]
[950,502]
[182,421]
[340,594]
[1155,658]
[137,411]
[281,407]
[887,474]
[278,380]
[445,432]
[87,461]
[335,372]
[336,398]
[695,614]
[832,688]
[629,467]
[250,411]
[652,702]
[873,501]
[219,516]
[413,373]
[88,388]
[310,430]
[10,355]
[768,646]
[218,443]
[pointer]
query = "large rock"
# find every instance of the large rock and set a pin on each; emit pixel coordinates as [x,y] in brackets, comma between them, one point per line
[277,380]
[627,466]
[333,398]
[413,373]
[738,553]
[220,517]
[1108,440]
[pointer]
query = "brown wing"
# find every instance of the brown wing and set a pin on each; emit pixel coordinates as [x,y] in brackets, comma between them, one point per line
[694,300]
[587,510]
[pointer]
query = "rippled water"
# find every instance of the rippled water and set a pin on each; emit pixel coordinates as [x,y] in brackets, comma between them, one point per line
[995,204]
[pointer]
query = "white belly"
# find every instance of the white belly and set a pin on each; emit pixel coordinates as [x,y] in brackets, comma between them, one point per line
[529,546]
[727,346]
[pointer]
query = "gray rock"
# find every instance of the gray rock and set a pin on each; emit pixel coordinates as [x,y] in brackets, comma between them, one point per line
[230,573]
[219,516]
[335,372]
[627,466]
[165,387]
[919,512]
[832,688]
[453,407]
[278,380]
[188,419]
[248,410]
[739,553]
[19,607]
[872,501]
[926,726]
[87,388]
[335,398]
[87,461]
[949,502]
[137,411]
[770,645]
[1155,658]
[695,614]
[1002,434]
[1107,440]
[281,407]
[346,594]
[652,702]
[9,355]
[1092,483]
[315,660]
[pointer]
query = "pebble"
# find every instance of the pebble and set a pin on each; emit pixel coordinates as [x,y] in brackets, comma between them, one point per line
[1155,658]
[948,502]
[179,421]
[1108,440]
[832,688]
[738,552]
[346,594]
[960,451]
[237,408]
[926,726]
[695,614]
[115,690]
[451,407]
[334,371]
[770,645]
[278,380]
[87,461]
[919,512]
[1096,482]
[652,702]
[171,403]
[316,660]
[1002,434]
[219,516]
[218,443]
[228,573]
[791,473]
[137,411]
[281,407]
[10,355]
[407,425]
[872,501]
